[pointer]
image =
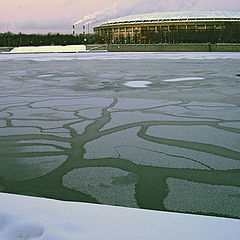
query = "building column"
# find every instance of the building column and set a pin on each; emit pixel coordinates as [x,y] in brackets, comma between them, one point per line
[118,34]
[125,35]
[140,35]
[132,40]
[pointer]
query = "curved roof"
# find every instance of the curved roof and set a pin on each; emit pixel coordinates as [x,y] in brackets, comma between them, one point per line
[186,16]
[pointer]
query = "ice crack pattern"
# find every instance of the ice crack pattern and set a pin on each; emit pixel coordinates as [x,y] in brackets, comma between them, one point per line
[78,133]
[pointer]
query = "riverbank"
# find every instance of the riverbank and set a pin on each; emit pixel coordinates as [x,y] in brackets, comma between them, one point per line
[55,49]
[31,217]
[5,49]
[194,47]
[50,49]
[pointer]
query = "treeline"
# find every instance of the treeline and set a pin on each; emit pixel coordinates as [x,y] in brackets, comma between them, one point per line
[15,40]
[230,33]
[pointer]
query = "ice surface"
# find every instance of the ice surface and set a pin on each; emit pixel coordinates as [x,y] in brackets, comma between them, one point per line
[124,118]
[207,111]
[2,123]
[47,100]
[149,157]
[47,142]
[58,133]
[224,113]
[91,113]
[28,218]
[78,102]
[26,149]
[18,131]
[230,124]
[40,123]
[43,113]
[108,185]
[196,197]
[131,103]
[4,115]
[81,126]
[210,104]
[137,84]
[201,134]
[126,144]
[124,56]
[24,168]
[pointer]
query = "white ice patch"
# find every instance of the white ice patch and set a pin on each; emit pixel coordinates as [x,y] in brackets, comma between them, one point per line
[46,75]
[57,133]
[4,115]
[19,131]
[108,185]
[127,145]
[124,118]
[40,123]
[139,103]
[196,197]
[207,112]
[137,84]
[210,104]
[45,141]
[40,114]
[28,149]
[183,79]
[147,157]
[230,124]
[79,103]
[2,123]
[199,134]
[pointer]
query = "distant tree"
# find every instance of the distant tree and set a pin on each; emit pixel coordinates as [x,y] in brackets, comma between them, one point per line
[21,39]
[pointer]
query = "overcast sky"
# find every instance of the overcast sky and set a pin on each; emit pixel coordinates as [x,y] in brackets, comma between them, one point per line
[45,16]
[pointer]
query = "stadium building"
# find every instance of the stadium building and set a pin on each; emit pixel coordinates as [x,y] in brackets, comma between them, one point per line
[172,27]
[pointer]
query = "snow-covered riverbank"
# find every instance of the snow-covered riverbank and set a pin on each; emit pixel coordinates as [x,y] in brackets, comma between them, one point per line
[50,49]
[23,217]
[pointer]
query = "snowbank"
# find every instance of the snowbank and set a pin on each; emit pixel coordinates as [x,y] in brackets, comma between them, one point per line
[25,218]
[50,49]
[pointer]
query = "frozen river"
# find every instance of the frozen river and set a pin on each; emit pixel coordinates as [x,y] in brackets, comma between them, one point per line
[147,130]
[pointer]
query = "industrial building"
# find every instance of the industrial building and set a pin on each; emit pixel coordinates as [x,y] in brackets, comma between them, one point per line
[172,27]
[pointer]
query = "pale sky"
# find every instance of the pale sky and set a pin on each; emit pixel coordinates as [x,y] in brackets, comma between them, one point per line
[43,16]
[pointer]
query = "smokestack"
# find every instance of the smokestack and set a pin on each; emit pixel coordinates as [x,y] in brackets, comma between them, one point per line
[83,30]
[85,39]
[73,30]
